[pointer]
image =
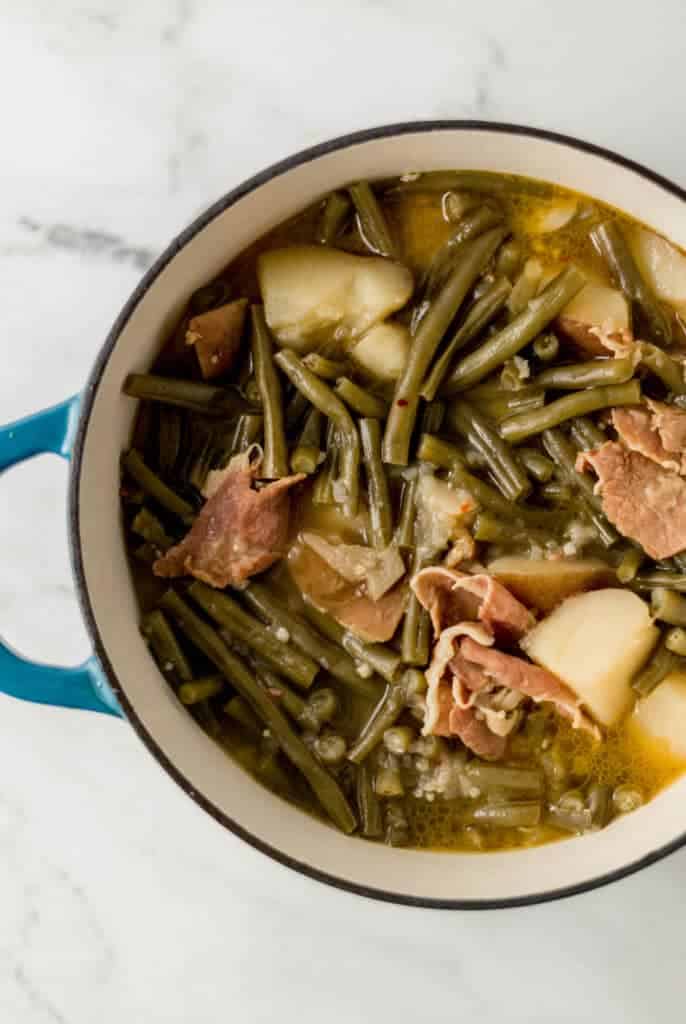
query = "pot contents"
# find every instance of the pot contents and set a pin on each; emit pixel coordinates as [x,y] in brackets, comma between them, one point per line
[405,504]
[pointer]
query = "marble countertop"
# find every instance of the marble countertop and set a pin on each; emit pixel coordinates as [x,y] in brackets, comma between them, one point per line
[120,900]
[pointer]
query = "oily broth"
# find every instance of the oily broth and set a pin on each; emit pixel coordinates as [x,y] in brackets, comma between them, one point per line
[625,757]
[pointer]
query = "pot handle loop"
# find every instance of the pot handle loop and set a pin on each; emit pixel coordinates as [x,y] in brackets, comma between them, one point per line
[84,686]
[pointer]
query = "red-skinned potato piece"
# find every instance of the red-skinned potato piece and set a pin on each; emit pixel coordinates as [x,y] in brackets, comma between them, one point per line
[597,310]
[216,337]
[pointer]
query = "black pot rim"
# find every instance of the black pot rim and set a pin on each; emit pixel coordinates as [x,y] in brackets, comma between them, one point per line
[88,398]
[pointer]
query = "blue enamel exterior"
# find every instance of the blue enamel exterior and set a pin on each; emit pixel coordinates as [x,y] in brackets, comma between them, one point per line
[84,686]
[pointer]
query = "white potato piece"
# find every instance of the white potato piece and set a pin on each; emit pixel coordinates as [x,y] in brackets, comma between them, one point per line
[382,351]
[662,265]
[542,583]
[313,294]
[597,308]
[441,512]
[552,216]
[595,643]
[662,714]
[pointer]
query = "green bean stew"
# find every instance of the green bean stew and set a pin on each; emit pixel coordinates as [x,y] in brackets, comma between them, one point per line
[405,505]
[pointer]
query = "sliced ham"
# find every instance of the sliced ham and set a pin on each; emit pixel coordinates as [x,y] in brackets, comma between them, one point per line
[439,695]
[516,674]
[350,605]
[642,499]
[452,597]
[475,734]
[239,531]
[658,432]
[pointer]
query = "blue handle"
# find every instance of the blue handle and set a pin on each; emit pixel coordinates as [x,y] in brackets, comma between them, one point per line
[84,686]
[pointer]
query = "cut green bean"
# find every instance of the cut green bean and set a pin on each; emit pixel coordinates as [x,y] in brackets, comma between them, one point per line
[509,258]
[484,310]
[661,579]
[371,220]
[335,213]
[558,493]
[297,407]
[675,640]
[525,287]
[248,431]
[569,819]
[360,400]
[307,454]
[536,464]
[668,370]
[514,814]
[661,663]
[378,498]
[243,715]
[327,369]
[156,488]
[283,658]
[474,256]
[169,430]
[527,424]
[629,565]
[201,689]
[647,312]
[385,714]
[321,707]
[186,394]
[523,329]
[322,397]
[489,528]
[563,455]
[592,373]
[379,657]
[513,780]
[292,703]
[368,804]
[599,803]
[475,222]
[546,348]
[585,434]
[502,463]
[433,415]
[668,606]
[162,641]
[203,636]
[330,656]
[148,526]
[508,403]
[275,458]
[330,748]
[404,533]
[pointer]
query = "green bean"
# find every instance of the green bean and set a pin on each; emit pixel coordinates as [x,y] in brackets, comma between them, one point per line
[514,780]
[203,636]
[483,311]
[156,488]
[397,827]
[243,715]
[292,703]
[334,215]
[298,405]
[647,311]
[186,394]
[563,455]
[514,814]
[322,397]
[416,632]
[518,333]
[360,400]
[569,819]
[525,287]
[323,492]
[675,640]
[599,804]
[248,431]
[474,223]
[161,639]
[327,369]
[508,404]
[275,459]
[335,661]
[388,782]
[398,739]
[526,424]
[476,181]
[168,439]
[379,502]
[662,662]
[372,222]
[321,707]
[558,493]
[504,468]
[379,657]
[307,454]
[629,565]
[627,798]
[439,452]
[385,714]
[585,434]
[148,526]
[201,689]
[591,373]
[514,374]
[509,258]
[433,415]
[474,459]
[368,805]
[287,661]
[536,464]
[668,370]
[546,348]
[668,606]
[330,748]
[665,580]
[489,528]
[251,390]
[474,256]
[404,533]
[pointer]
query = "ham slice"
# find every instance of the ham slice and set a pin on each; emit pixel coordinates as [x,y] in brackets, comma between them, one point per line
[453,597]
[439,694]
[642,499]
[658,432]
[239,531]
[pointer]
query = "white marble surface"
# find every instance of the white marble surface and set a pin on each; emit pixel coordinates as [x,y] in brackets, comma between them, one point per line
[119,900]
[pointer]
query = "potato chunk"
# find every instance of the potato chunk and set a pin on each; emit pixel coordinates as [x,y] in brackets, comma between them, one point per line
[662,714]
[543,584]
[314,295]
[595,643]
[382,351]
[595,309]
[663,266]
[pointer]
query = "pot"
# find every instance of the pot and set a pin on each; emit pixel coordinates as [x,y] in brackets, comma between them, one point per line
[92,428]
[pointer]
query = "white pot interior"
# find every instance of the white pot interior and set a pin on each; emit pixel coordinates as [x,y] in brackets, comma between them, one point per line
[208,771]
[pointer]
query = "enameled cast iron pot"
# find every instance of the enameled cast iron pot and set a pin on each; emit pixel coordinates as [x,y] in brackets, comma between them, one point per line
[92,428]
